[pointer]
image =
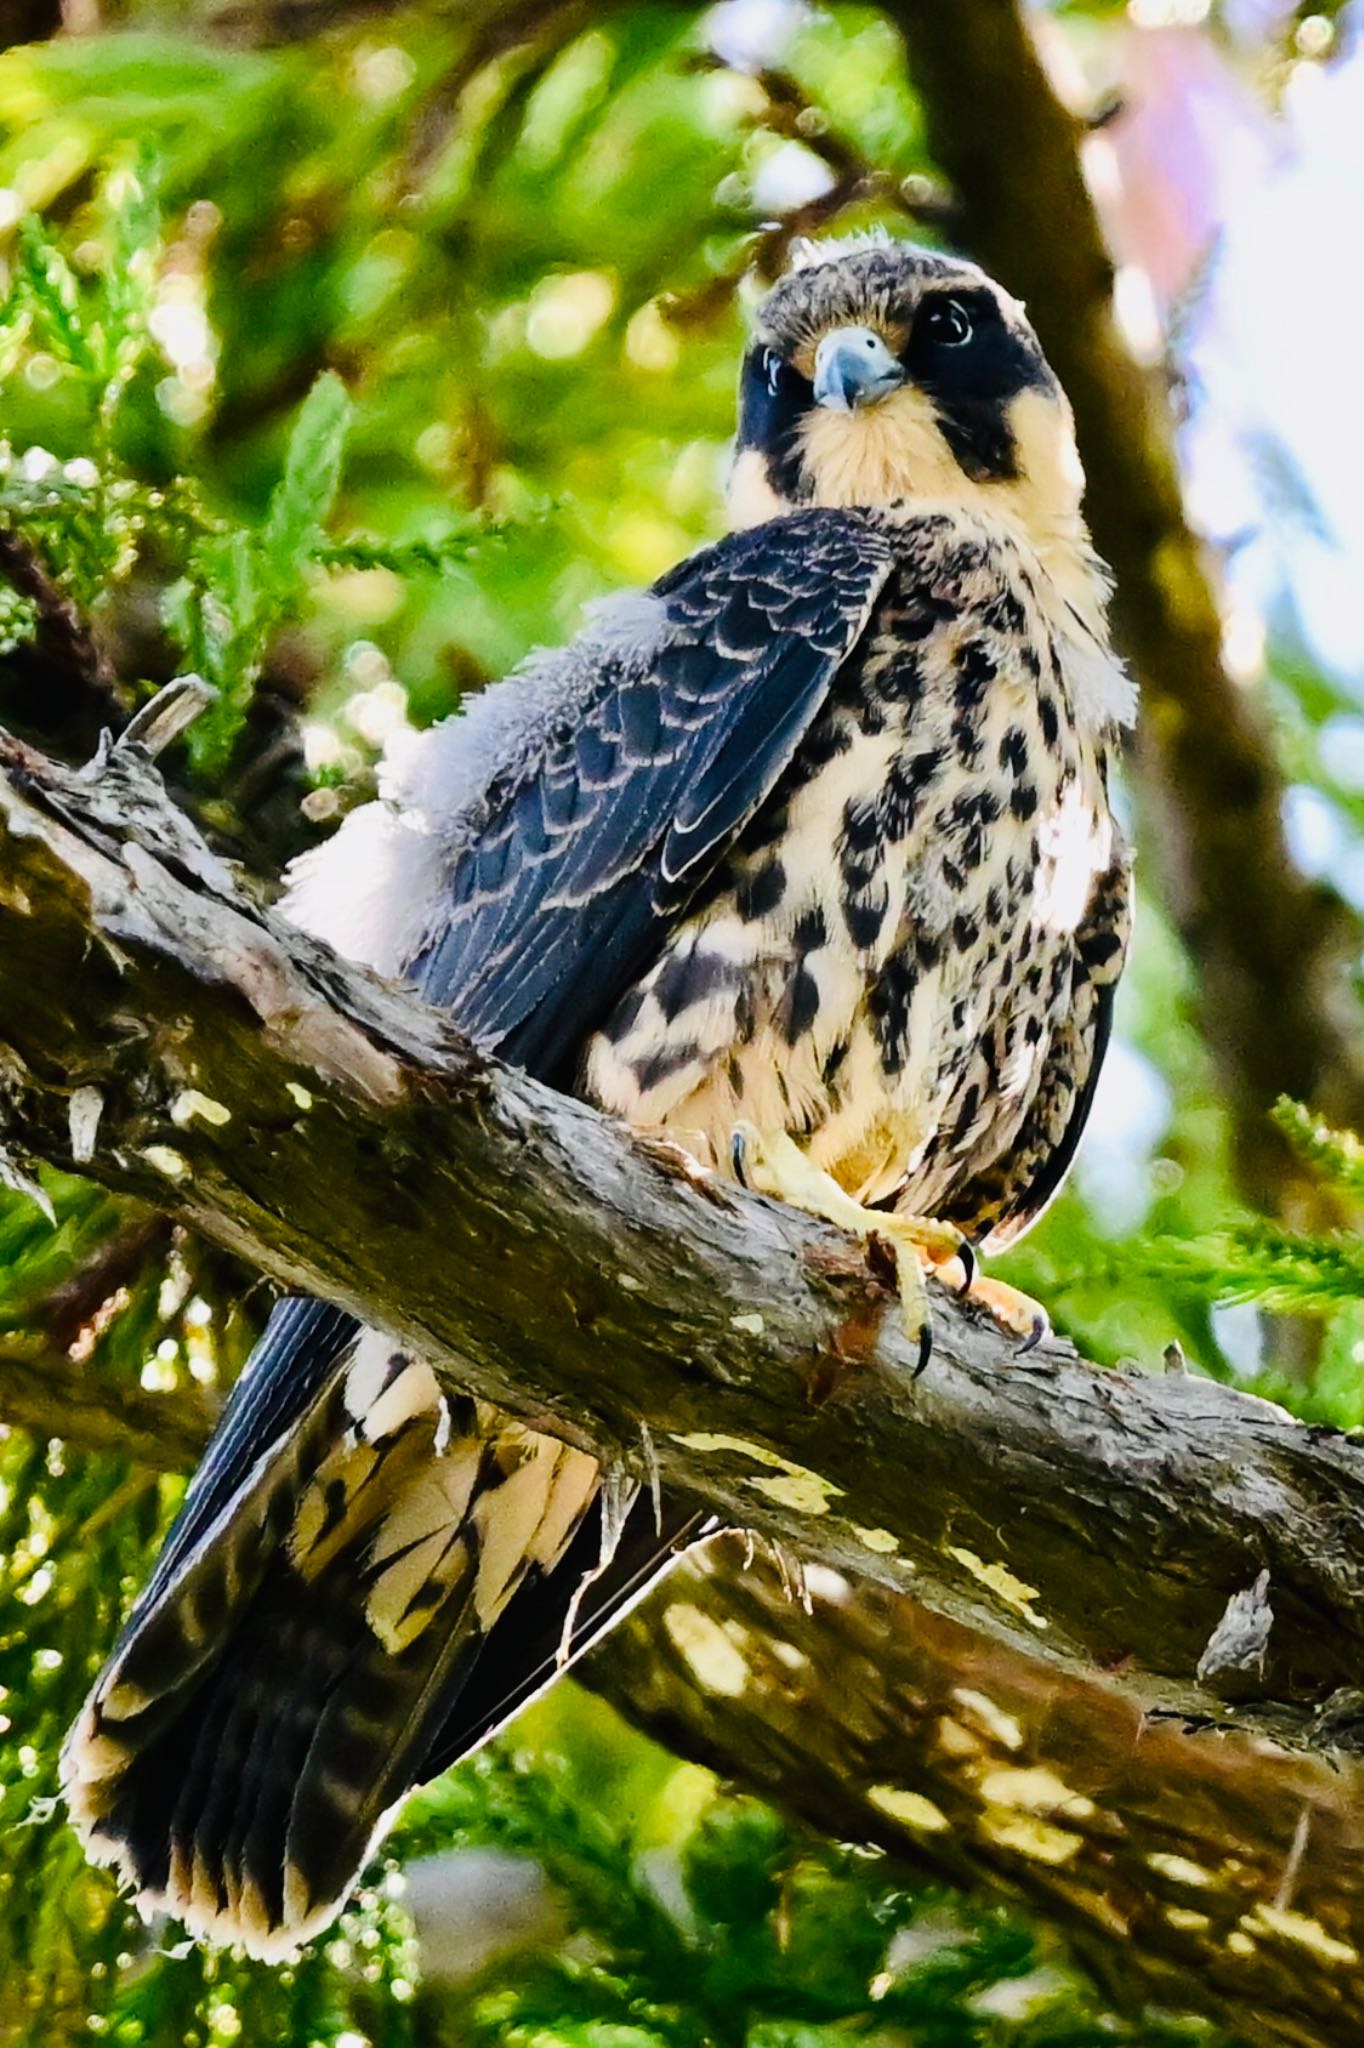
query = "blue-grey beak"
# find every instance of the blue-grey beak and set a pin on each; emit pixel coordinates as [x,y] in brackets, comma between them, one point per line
[853,366]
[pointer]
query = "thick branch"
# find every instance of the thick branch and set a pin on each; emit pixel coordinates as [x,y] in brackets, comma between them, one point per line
[1189,1867]
[1270,946]
[165,1035]
[1056,1542]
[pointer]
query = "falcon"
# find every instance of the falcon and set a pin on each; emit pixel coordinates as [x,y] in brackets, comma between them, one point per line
[803,858]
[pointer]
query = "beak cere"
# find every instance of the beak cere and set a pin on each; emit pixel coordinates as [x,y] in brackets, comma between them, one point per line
[854,367]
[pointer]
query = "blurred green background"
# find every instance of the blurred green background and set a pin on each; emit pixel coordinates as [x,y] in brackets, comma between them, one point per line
[346,354]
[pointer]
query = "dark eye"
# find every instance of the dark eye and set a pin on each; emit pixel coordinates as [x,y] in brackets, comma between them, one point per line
[947,322]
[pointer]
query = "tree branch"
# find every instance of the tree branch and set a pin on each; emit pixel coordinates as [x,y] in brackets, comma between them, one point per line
[165,1035]
[1188,1867]
[60,687]
[1074,1535]
[50,1394]
[1271,947]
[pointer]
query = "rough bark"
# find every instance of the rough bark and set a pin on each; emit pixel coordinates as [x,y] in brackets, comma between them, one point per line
[1272,949]
[1057,1542]
[1192,1867]
[1188,1863]
[166,1035]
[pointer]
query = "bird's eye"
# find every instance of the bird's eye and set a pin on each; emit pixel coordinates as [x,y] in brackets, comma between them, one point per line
[947,322]
[773,368]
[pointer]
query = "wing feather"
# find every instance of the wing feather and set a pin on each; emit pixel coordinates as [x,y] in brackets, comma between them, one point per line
[651,783]
[555,900]
[315,1612]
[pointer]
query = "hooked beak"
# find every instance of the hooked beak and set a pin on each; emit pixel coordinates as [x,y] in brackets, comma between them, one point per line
[854,367]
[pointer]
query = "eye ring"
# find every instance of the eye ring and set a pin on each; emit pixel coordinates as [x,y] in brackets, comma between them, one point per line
[948,324]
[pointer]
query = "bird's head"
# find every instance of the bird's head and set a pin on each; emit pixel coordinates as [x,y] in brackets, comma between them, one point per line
[885,375]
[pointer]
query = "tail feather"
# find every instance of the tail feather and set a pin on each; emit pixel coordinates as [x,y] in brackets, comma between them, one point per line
[558,1618]
[280,1690]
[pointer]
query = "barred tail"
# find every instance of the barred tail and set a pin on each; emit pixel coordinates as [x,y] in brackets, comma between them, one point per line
[285,1677]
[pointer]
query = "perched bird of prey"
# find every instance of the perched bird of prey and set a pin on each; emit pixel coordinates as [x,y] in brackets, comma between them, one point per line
[805,858]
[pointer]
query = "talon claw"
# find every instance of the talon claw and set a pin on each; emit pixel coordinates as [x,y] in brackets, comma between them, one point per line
[1041,1327]
[738,1156]
[925,1350]
[966,1253]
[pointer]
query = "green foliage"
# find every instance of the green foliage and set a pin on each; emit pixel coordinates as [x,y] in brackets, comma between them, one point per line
[88,341]
[1319,1276]
[76,1533]
[240,587]
[1338,1156]
[227,588]
[343,373]
[1285,1272]
[698,1917]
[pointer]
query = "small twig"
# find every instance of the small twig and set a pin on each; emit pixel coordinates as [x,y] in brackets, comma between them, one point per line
[116,1503]
[164,717]
[64,1312]
[789,111]
[49,1394]
[1288,1883]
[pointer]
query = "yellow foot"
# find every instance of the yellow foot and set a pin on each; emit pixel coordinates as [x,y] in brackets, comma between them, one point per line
[1013,1309]
[773,1164]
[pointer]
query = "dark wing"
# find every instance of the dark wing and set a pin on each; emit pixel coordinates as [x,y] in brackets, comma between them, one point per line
[337,1562]
[557,905]
[299,1352]
[1052,1130]
[553,907]
[281,1688]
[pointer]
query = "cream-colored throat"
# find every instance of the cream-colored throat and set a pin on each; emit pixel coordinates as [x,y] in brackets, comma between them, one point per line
[894,456]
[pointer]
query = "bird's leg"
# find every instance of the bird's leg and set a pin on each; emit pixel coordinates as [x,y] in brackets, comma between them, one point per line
[773,1164]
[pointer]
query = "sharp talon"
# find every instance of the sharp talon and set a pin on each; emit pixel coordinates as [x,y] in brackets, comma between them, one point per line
[1014,1311]
[966,1254]
[902,1250]
[1041,1327]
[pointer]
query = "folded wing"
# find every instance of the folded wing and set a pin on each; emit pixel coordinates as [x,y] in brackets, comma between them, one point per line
[357,1534]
